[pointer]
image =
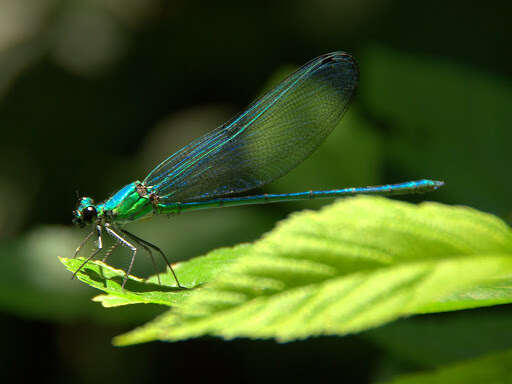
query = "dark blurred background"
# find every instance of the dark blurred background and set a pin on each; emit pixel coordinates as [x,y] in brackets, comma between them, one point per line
[94,93]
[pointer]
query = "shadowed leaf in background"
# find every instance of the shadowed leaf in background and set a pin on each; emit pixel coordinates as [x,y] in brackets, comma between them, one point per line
[489,369]
[445,120]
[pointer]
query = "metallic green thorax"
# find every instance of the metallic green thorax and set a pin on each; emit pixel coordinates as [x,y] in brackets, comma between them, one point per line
[130,203]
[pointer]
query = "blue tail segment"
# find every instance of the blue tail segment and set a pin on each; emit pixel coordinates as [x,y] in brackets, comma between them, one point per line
[419,186]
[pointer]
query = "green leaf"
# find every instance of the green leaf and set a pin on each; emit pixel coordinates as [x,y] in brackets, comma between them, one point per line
[490,369]
[192,274]
[354,265]
[111,301]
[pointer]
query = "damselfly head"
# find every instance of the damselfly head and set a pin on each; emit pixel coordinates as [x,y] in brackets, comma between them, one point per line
[85,213]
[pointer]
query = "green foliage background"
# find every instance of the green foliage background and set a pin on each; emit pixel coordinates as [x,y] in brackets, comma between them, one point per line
[94,93]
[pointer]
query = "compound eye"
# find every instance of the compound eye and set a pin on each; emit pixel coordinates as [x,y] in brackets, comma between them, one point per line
[89,213]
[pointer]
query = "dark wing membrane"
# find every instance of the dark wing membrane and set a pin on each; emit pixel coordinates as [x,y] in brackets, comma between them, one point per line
[270,138]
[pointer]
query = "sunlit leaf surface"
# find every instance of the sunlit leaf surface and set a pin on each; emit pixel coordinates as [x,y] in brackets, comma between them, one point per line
[354,265]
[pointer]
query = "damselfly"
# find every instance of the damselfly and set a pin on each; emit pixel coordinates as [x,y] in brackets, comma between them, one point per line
[271,137]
